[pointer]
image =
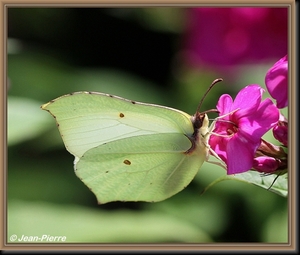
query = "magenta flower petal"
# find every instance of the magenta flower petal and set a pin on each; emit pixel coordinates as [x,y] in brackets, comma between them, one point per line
[219,145]
[247,101]
[257,124]
[277,82]
[239,155]
[224,104]
[248,97]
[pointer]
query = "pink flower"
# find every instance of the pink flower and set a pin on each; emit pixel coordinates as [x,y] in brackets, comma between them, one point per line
[229,36]
[238,135]
[277,82]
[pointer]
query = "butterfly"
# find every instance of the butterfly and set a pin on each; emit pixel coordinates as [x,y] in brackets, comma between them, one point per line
[131,151]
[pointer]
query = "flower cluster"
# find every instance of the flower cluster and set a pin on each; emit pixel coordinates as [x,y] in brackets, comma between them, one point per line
[237,136]
[238,29]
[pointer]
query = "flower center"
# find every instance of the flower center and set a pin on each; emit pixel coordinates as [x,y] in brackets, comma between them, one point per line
[232,129]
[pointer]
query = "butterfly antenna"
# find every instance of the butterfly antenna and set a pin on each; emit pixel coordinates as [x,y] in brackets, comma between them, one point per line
[210,87]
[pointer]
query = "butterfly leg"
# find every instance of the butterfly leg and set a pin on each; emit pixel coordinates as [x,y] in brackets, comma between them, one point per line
[210,129]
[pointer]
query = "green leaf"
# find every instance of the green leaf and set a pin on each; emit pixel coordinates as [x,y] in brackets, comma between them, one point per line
[25,119]
[275,183]
[280,185]
[85,225]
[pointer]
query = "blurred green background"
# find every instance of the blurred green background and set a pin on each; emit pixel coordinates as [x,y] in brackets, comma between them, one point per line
[134,53]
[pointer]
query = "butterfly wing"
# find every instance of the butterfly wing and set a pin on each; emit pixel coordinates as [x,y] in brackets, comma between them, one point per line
[142,168]
[88,119]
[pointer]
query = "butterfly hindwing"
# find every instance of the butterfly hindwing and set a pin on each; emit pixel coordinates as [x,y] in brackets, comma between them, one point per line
[142,168]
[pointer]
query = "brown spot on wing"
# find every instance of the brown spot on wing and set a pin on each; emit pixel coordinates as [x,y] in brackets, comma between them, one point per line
[127,162]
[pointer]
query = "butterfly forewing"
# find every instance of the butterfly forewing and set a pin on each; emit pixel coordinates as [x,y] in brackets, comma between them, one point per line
[87,120]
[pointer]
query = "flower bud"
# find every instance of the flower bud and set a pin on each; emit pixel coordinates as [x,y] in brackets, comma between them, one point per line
[265,164]
[281,134]
[280,131]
